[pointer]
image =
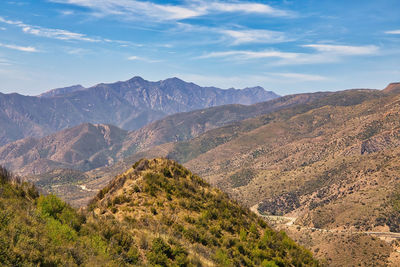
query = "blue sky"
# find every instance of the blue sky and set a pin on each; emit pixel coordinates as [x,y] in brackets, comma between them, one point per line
[284,46]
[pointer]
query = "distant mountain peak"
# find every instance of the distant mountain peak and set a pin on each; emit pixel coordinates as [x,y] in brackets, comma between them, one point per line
[136,79]
[128,104]
[174,79]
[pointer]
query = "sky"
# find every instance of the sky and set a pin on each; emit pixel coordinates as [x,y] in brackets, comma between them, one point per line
[286,46]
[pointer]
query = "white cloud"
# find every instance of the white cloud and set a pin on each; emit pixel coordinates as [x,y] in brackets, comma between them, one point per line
[248,8]
[61,34]
[133,9]
[393,32]
[57,34]
[255,36]
[49,33]
[245,54]
[324,54]
[344,49]
[134,58]
[19,48]
[137,58]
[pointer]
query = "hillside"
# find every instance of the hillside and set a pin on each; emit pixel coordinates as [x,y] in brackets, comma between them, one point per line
[83,147]
[330,164]
[87,146]
[156,213]
[129,105]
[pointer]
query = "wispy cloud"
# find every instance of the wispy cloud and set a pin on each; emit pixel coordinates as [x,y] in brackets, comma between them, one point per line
[255,36]
[67,12]
[19,48]
[393,32]
[49,33]
[245,54]
[163,12]
[137,58]
[324,54]
[57,34]
[247,7]
[63,35]
[344,49]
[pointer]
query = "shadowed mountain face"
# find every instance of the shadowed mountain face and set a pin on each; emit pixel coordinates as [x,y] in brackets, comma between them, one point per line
[128,105]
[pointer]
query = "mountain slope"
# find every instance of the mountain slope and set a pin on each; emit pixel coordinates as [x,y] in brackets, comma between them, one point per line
[128,105]
[331,164]
[70,149]
[155,214]
[83,147]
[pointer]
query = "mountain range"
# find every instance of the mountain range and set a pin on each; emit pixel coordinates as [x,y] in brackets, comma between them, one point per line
[89,146]
[322,166]
[129,105]
[329,162]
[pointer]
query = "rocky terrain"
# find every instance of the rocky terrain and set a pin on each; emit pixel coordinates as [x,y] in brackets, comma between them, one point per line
[89,146]
[129,105]
[330,164]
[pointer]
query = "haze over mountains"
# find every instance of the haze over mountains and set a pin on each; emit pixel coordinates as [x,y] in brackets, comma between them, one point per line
[128,105]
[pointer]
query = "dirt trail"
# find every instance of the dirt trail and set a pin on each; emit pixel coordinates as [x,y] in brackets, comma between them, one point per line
[290,222]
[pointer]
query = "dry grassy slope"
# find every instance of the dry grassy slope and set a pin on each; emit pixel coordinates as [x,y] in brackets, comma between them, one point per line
[187,125]
[216,138]
[330,160]
[159,198]
[332,163]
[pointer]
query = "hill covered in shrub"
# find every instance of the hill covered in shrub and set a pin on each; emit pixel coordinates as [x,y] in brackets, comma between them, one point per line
[155,214]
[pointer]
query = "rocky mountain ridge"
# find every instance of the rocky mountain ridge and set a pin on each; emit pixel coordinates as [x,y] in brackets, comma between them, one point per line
[74,148]
[129,105]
